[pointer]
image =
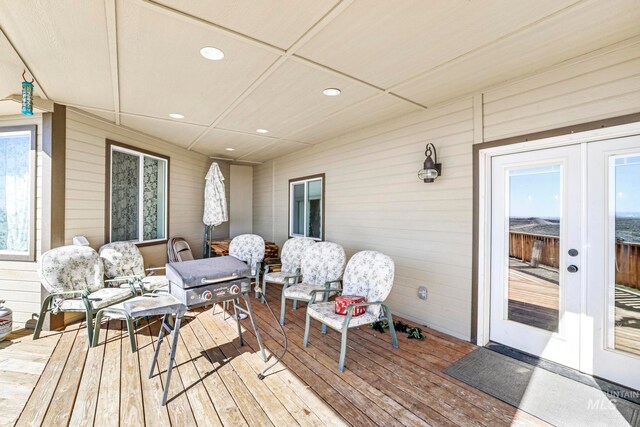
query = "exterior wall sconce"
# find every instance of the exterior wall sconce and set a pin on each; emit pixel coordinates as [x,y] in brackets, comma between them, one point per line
[431,169]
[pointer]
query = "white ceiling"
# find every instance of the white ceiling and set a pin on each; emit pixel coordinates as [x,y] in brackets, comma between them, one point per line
[136,61]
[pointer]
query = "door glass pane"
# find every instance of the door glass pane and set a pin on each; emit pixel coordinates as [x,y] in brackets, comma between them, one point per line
[534,214]
[625,289]
[314,208]
[297,209]
[124,196]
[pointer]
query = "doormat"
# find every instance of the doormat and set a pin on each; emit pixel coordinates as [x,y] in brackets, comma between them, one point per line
[551,397]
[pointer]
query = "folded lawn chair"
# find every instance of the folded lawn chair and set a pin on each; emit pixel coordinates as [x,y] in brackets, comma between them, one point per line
[368,274]
[123,263]
[321,268]
[74,278]
[290,258]
[178,250]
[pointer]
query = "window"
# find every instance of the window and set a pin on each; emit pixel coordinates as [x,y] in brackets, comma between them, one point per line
[137,195]
[17,193]
[306,207]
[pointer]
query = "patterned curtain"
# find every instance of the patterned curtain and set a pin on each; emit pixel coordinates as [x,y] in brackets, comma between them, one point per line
[124,196]
[14,192]
[150,203]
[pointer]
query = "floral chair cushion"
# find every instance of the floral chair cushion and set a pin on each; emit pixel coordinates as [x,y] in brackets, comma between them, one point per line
[99,299]
[277,276]
[322,262]
[71,268]
[248,248]
[369,274]
[292,252]
[325,312]
[122,259]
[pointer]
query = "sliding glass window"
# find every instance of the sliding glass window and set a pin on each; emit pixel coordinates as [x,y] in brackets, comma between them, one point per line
[306,207]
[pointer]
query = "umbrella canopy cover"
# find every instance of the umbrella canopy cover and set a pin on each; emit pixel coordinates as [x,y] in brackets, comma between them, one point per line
[215,200]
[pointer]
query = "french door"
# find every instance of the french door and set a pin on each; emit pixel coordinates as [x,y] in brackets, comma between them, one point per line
[565,256]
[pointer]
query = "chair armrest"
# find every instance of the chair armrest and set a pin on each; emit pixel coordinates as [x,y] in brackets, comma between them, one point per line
[123,279]
[80,291]
[314,293]
[288,280]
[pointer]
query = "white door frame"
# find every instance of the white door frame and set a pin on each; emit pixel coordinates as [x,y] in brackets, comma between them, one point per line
[484,208]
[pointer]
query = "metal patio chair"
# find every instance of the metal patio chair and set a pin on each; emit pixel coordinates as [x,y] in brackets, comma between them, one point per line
[123,263]
[320,269]
[369,274]
[74,278]
[248,248]
[290,259]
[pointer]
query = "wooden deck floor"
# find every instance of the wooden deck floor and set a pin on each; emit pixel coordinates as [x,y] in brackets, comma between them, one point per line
[215,382]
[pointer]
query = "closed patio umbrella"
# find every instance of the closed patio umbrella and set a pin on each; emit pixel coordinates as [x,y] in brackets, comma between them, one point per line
[215,204]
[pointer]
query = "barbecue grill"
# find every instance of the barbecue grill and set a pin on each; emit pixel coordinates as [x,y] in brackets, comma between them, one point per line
[208,281]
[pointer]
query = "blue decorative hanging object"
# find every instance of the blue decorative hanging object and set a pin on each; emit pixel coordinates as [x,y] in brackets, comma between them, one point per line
[27,96]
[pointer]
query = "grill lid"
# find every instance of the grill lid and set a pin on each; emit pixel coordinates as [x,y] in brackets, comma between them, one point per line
[189,274]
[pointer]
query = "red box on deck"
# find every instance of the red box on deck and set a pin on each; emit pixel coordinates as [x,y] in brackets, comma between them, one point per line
[343,301]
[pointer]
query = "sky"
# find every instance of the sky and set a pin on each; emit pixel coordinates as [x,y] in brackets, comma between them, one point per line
[535,192]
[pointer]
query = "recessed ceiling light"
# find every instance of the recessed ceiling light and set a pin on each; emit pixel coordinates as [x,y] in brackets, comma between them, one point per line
[331,91]
[230,149]
[212,53]
[176,116]
[262,131]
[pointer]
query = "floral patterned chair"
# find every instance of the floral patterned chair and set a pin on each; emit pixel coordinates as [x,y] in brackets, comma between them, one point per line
[123,262]
[369,274]
[321,268]
[249,248]
[290,258]
[74,278]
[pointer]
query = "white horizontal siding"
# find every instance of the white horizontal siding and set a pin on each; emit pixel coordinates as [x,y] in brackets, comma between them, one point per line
[19,282]
[85,184]
[599,85]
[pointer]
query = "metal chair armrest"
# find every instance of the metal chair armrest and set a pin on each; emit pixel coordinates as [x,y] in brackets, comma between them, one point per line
[314,293]
[350,308]
[267,267]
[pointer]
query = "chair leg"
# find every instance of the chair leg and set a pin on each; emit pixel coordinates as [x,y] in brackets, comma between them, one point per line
[306,330]
[89,318]
[283,307]
[392,329]
[324,329]
[132,337]
[343,350]
[96,330]
[264,289]
[40,322]
[295,304]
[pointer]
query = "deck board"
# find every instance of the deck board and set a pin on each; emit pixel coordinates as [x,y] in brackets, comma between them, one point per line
[215,379]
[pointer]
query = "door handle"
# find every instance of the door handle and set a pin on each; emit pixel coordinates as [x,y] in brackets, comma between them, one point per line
[572,268]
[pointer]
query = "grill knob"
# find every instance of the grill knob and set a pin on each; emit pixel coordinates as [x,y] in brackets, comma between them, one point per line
[234,289]
[207,295]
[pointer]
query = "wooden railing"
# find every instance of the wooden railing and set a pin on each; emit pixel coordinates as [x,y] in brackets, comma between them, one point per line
[547,253]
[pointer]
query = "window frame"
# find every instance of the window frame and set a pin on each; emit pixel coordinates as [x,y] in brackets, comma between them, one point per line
[125,148]
[305,180]
[30,255]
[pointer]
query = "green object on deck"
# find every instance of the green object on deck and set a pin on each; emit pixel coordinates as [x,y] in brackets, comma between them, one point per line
[413,332]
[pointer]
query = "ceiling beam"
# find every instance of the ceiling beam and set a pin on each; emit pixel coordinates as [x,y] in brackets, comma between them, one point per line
[112,37]
[313,30]
[24,63]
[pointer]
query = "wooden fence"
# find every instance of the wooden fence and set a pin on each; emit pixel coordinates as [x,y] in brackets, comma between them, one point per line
[521,246]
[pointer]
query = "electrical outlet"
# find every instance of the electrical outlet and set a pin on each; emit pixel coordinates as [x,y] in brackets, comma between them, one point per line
[422,292]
